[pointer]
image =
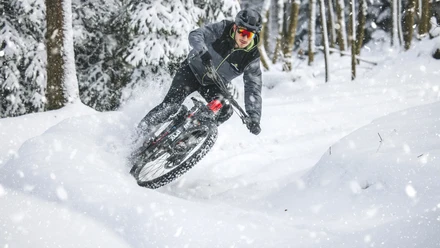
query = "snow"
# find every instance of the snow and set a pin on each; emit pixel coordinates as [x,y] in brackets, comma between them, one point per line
[435,28]
[338,164]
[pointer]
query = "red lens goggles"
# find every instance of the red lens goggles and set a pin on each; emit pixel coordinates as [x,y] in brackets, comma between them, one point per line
[244,32]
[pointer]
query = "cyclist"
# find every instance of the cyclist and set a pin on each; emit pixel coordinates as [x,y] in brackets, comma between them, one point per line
[231,47]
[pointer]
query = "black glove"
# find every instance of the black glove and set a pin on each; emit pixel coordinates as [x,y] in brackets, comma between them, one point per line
[206,59]
[254,127]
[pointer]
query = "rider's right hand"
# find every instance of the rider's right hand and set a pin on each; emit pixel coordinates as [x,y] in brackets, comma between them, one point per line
[206,59]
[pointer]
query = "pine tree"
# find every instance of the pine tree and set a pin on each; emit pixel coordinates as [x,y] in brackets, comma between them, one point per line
[22,57]
[157,32]
[215,10]
[101,71]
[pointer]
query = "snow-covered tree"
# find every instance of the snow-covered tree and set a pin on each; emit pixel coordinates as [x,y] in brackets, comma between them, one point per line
[215,10]
[22,57]
[157,32]
[157,37]
[99,29]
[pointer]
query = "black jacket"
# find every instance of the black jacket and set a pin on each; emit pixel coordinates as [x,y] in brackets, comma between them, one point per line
[230,62]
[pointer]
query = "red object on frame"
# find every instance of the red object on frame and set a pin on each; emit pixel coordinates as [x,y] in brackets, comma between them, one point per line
[215,105]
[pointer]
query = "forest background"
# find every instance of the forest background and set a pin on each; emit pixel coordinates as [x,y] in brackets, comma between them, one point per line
[100,52]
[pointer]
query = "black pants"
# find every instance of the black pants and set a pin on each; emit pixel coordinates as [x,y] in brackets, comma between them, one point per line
[184,83]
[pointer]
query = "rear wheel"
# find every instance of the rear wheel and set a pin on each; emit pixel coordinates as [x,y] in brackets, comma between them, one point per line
[162,163]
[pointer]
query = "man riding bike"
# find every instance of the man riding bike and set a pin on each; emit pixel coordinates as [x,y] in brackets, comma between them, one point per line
[231,48]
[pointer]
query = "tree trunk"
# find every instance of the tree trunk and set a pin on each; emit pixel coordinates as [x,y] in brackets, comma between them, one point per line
[312,33]
[62,84]
[291,33]
[424,21]
[264,35]
[395,28]
[280,19]
[353,39]
[408,23]
[341,30]
[325,36]
[70,83]
[399,21]
[331,22]
[54,49]
[362,16]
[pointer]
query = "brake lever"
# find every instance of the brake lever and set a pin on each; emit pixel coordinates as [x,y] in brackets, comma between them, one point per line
[211,72]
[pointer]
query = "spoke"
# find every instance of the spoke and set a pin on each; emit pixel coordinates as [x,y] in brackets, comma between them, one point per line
[160,168]
[166,161]
[153,167]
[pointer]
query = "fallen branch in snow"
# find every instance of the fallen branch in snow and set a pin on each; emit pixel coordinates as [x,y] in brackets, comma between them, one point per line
[380,137]
[347,53]
[380,142]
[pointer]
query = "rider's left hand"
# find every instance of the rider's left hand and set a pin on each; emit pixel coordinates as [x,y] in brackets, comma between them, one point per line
[254,127]
[206,59]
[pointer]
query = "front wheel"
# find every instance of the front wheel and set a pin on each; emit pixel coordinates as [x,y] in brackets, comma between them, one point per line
[159,165]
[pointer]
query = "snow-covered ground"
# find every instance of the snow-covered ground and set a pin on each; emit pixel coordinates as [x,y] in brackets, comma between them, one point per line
[342,164]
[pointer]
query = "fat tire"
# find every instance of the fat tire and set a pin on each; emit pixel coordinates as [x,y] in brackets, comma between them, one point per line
[182,168]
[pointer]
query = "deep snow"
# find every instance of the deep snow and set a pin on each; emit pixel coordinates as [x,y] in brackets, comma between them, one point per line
[342,164]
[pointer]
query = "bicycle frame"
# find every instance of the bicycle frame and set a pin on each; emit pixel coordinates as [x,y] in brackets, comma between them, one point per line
[219,81]
[172,132]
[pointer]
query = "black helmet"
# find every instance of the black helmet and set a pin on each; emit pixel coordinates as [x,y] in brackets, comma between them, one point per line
[249,19]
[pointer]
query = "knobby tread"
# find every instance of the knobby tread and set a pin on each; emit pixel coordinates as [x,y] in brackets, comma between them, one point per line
[181,169]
